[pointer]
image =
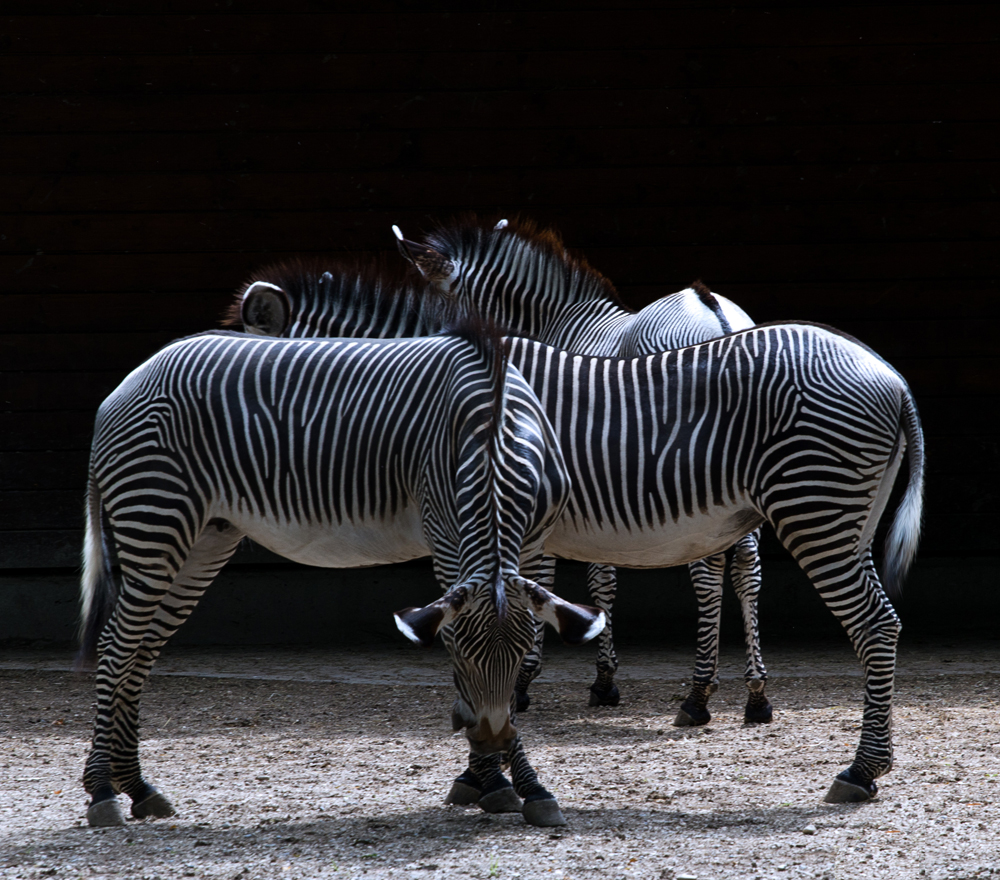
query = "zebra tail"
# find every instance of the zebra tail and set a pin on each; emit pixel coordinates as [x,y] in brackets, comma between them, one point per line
[98,587]
[904,535]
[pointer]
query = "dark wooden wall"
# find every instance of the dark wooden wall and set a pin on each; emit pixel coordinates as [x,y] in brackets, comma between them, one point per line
[835,163]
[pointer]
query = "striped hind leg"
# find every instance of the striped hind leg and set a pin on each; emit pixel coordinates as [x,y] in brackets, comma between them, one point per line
[848,584]
[745,569]
[602,583]
[706,576]
[156,599]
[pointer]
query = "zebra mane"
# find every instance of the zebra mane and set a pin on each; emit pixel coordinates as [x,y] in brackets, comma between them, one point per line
[373,288]
[468,234]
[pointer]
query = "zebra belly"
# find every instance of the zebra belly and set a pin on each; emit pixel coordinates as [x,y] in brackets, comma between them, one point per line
[673,543]
[343,545]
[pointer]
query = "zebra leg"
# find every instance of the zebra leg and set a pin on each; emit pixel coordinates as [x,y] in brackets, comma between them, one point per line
[540,806]
[745,569]
[544,575]
[706,575]
[150,610]
[852,591]
[602,583]
[484,784]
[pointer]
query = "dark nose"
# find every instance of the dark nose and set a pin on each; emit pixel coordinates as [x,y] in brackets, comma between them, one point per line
[484,741]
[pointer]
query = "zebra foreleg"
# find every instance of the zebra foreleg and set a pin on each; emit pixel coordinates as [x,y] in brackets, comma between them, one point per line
[602,583]
[745,569]
[706,575]
[484,784]
[540,806]
[544,575]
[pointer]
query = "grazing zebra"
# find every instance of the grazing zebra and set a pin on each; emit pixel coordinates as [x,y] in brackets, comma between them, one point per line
[673,457]
[336,453]
[525,280]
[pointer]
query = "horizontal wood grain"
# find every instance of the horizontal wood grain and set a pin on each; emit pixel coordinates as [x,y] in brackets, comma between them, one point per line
[369,68]
[483,111]
[521,30]
[565,144]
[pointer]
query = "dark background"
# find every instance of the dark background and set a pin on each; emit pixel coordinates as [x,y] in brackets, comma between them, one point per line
[834,163]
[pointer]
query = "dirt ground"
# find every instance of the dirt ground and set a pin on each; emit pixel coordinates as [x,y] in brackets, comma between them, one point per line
[327,763]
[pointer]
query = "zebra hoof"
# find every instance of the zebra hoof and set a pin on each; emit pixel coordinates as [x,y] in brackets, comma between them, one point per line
[759,714]
[847,789]
[502,800]
[463,794]
[105,814]
[690,715]
[543,813]
[156,806]
[521,701]
[609,697]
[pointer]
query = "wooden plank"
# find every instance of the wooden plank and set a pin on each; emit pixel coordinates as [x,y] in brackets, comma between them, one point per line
[300,7]
[45,469]
[92,233]
[738,67]
[34,509]
[46,430]
[568,146]
[949,263]
[518,30]
[439,193]
[536,190]
[484,111]
[58,352]
[80,391]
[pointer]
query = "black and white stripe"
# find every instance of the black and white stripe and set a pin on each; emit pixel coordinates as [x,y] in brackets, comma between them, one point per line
[335,453]
[792,424]
[526,281]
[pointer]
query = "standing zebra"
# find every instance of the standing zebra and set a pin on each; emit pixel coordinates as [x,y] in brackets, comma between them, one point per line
[673,457]
[337,453]
[525,281]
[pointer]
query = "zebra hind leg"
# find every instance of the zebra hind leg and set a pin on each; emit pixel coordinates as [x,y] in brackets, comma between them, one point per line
[745,568]
[602,583]
[853,593]
[706,575]
[156,607]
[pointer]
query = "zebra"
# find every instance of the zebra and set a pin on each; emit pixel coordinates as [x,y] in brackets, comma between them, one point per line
[675,456]
[337,453]
[525,280]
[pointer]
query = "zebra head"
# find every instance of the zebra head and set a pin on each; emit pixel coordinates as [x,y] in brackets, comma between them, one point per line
[437,268]
[487,646]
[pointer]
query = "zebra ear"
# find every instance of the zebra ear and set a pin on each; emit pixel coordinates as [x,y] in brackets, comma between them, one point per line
[264,310]
[501,225]
[432,264]
[576,624]
[421,625]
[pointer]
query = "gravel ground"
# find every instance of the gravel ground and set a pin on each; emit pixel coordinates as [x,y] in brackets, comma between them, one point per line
[335,764]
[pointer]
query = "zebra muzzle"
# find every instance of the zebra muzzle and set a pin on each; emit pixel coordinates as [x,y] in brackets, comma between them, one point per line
[484,741]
